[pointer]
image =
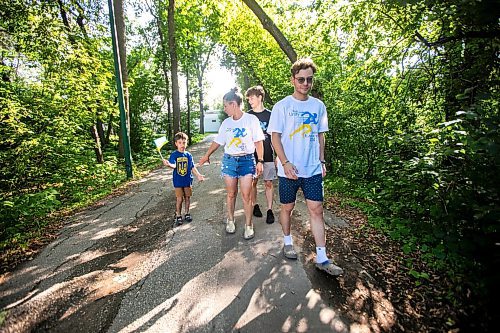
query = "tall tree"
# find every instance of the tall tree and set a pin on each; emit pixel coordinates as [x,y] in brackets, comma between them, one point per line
[122,52]
[156,9]
[66,16]
[176,106]
[198,26]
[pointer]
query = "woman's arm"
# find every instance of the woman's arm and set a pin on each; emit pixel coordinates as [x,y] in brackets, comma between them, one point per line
[206,158]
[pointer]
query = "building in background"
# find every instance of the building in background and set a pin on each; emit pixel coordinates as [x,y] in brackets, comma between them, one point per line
[212,121]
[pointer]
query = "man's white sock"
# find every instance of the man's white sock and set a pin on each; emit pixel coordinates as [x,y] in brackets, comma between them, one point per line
[321,254]
[288,240]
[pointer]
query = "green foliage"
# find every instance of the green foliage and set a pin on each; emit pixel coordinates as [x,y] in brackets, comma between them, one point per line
[56,83]
[411,88]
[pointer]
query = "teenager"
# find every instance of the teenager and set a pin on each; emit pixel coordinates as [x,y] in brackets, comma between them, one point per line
[255,96]
[297,126]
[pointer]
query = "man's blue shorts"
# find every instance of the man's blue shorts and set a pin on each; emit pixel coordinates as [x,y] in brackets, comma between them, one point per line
[238,166]
[312,187]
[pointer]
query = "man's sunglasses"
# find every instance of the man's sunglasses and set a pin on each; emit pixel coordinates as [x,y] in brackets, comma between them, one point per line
[301,80]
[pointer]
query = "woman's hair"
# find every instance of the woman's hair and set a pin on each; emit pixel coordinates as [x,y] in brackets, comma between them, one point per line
[303,63]
[255,91]
[233,95]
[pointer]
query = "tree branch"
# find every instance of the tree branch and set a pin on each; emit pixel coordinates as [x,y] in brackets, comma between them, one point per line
[464,35]
[269,25]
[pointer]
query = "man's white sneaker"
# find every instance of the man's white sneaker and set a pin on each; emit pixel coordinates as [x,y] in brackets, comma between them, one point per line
[248,234]
[230,227]
[329,267]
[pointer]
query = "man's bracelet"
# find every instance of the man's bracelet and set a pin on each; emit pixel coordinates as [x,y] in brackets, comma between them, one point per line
[260,161]
[283,164]
[323,162]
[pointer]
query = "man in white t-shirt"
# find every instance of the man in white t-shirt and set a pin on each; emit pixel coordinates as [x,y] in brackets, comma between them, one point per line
[297,126]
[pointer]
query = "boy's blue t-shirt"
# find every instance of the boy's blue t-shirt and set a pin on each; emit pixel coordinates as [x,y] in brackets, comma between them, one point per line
[182,175]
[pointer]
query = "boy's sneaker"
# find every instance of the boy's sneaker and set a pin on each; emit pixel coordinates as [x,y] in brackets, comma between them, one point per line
[256,211]
[270,216]
[188,217]
[230,227]
[178,220]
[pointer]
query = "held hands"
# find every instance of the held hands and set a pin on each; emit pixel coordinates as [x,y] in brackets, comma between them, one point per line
[200,177]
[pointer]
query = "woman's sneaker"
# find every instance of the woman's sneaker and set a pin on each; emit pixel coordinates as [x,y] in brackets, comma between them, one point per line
[249,233]
[188,217]
[230,227]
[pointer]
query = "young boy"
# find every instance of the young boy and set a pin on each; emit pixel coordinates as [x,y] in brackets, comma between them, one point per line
[182,162]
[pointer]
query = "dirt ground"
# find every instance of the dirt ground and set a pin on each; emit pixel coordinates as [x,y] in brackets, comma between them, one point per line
[381,290]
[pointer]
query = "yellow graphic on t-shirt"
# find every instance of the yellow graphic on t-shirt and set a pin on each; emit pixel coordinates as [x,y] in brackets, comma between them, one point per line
[182,166]
[305,128]
[236,141]
[238,134]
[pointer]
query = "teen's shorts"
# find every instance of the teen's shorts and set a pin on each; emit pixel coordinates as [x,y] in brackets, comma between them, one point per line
[312,187]
[269,171]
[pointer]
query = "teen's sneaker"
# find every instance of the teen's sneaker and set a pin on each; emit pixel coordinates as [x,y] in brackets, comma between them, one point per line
[178,220]
[289,252]
[256,211]
[230,227]
[249,233]
[330,268]
[270,216]
[188,217]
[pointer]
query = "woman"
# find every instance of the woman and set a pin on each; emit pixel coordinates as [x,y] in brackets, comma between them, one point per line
[241,135]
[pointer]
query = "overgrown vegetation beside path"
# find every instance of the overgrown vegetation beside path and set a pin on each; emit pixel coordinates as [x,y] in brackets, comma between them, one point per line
[411,88]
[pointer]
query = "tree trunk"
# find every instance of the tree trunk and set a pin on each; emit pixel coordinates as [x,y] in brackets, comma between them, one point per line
[100,132]
[200,99]
[64,17]
[176,107]
[269,25]
[201,66]
[122,53]
[97,144]
[157,14]
[188,97]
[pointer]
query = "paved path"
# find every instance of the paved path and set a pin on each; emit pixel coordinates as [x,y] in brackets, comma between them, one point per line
[119,268]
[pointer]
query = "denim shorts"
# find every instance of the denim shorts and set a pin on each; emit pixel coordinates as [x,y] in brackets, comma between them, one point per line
[312,187]
[238,166]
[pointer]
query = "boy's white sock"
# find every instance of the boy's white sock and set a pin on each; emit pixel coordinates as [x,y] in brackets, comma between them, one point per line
[288,240]
[321,254]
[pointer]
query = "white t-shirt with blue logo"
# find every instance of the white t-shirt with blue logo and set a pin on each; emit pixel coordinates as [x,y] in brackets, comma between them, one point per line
[299,123]
[239,136]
